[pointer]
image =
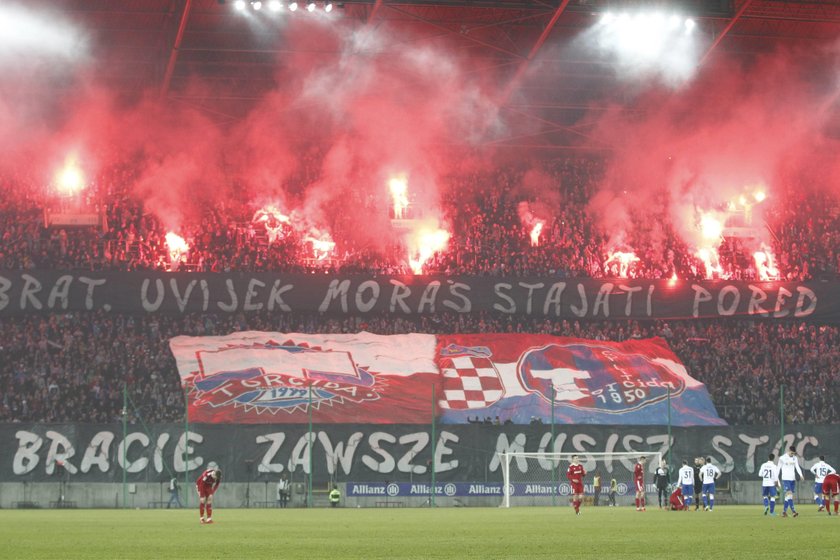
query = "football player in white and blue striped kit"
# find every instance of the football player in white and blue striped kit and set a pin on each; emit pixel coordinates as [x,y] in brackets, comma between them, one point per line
[769,474]
[709,473]
[820,471]
[788,471]
[686,478]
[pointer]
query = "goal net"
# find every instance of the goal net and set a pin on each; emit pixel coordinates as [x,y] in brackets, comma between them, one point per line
[539,479]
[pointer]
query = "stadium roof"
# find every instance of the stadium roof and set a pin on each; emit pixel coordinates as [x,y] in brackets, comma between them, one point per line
[171,44]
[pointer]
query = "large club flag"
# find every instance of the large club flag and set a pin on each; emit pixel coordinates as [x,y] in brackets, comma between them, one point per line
[265,377]
[277,378]
[515,377]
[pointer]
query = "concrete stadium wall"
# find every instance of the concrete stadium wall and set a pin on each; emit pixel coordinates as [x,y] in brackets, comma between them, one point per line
[142,495]
[750,492]
[260,495]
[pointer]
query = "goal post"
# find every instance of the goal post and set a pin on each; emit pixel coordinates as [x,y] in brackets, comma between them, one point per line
[539,479]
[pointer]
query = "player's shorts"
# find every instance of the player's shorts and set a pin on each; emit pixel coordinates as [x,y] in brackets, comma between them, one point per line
[640,485]
[577,487]
[204,491]
[768,491]
[818,487]
[789,486]
[688,490]
[709,488]
[831,489]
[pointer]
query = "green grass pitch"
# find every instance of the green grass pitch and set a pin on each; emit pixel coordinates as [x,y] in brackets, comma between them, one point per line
[739,532]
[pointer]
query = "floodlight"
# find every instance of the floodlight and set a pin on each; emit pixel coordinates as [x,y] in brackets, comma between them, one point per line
[674,21]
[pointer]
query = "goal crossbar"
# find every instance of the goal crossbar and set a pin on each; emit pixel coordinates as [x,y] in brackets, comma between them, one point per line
[550,476]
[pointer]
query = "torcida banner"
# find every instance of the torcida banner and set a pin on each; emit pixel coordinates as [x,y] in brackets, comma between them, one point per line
[257,377]
[550,297]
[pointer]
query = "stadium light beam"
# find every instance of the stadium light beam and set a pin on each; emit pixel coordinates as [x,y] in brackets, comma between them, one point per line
[293,7]
[310,7]
[648,41]
[329,7]
[674,22]
[239,5]
[275,5]
[257,5]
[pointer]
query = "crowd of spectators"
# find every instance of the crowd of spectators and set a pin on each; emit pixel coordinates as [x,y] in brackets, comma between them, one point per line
[72,367]
[480,209]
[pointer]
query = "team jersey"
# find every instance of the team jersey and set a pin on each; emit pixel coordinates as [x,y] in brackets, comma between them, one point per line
[708,473]
[789,467]
[661,478]
[639,473]
[575,473]
[686,475]
[831,483]
[768,473]
[206,479]
[821,470]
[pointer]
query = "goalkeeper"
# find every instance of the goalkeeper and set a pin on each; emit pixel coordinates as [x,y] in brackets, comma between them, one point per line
[662,480]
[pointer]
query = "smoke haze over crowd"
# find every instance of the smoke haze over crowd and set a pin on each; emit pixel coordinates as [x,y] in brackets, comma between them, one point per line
[367,103]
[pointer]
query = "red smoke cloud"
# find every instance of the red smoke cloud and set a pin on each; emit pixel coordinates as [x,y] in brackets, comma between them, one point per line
[733,130]
[351,108]
[348,112]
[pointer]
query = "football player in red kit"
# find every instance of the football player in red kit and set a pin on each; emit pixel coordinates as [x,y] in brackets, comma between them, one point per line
[676,500]
[639,482]
[831,487]
[206,484]
[575,474]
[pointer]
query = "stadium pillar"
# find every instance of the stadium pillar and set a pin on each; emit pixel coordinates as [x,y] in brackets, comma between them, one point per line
[434,450]
[186,445]
[726,30]
[311,450]
[554,470]
[173,54]
[125,447]
[516,81]
[669,429]
[782,419]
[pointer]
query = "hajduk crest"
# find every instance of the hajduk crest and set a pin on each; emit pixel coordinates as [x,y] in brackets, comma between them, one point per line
[597,377]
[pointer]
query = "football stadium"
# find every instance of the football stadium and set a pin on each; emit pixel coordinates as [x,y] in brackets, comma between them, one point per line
[419,279]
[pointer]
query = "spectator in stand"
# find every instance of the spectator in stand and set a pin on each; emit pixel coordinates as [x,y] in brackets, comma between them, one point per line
[488,236]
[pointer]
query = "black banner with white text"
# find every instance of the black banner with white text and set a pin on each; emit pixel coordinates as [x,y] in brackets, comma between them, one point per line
[365,452]
[150,292]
